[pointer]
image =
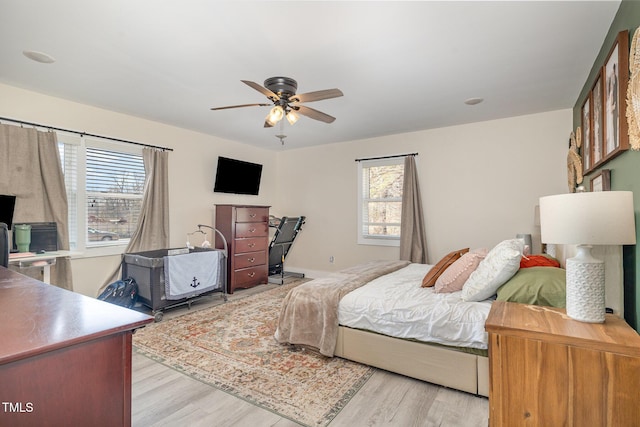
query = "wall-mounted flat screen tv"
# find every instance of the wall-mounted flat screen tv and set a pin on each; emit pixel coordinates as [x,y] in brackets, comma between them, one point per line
[237,177]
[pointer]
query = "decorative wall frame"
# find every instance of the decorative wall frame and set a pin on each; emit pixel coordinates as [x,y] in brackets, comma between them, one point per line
[604,115]
[601,181]
[615,79]
[586,135]
[597,125]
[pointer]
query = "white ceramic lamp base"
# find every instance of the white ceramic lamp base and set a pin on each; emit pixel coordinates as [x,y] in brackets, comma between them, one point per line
[585,287]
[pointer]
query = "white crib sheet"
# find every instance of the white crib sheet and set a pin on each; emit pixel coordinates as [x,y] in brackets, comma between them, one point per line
[397,305]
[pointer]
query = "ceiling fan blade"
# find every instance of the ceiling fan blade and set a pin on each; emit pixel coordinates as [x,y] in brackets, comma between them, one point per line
[316,96]
[263,90]
[239,106]
[314,114]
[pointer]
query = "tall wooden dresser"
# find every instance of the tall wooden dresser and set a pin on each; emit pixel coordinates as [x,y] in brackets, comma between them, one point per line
[547,369]
[246,229]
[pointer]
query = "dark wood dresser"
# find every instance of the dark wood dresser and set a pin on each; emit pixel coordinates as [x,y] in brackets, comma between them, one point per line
[246,229]
[65,358]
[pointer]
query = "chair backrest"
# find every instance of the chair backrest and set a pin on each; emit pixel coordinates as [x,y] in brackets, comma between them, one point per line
[4,245]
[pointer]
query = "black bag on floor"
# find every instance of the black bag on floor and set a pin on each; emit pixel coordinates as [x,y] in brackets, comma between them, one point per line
[123,292]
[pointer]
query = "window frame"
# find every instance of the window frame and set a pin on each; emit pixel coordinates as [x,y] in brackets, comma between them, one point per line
[367,239]
[83,245]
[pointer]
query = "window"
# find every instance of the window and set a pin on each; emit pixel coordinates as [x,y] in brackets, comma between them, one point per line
[105,183]
[380,201]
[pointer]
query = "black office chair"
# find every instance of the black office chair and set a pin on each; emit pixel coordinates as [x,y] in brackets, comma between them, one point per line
[4,245]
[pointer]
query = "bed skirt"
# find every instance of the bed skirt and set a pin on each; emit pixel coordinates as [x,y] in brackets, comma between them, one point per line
[432,363]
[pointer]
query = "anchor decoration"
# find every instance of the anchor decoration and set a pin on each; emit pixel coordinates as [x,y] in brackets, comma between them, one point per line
[194,283]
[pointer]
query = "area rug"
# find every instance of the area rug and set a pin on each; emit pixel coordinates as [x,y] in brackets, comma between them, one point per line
[231,347]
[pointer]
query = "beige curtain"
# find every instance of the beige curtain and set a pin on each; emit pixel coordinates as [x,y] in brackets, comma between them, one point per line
[413,243]
[152,231]
[30,169]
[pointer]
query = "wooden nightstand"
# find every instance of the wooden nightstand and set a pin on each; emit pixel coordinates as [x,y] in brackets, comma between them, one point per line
[547,369]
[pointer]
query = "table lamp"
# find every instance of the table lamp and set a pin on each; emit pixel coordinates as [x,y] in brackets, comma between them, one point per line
[586,219]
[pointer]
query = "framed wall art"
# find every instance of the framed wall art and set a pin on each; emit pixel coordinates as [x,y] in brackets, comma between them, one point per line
[602,181]
[615,76]
[586,135]
[597,125]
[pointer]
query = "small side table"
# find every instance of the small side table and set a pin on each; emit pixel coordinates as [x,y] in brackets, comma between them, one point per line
[547,369]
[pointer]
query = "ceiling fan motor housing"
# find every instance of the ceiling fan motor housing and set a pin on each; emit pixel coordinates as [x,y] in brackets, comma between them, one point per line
[282,86]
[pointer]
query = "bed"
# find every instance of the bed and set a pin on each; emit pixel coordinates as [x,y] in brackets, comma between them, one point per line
[378,313]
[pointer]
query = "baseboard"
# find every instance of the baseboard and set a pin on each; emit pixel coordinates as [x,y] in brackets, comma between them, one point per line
[310,274]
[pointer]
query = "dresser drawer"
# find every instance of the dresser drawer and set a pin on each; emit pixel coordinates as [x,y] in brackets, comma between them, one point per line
[250,244]
[252,214]
[252,229]
[249,259]
[249,276]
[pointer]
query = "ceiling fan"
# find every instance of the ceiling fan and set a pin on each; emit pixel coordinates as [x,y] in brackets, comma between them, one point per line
[281,91]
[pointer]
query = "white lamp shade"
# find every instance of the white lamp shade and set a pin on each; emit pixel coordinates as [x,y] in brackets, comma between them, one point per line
[595,218]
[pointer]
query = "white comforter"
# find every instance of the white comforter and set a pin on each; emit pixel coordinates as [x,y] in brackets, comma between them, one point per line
[396,305]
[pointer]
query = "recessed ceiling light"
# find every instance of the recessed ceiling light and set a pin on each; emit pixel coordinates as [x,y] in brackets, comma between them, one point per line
[41,57]
[473,101]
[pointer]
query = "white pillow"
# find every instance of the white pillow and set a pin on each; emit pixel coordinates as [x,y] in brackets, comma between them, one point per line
[500,264]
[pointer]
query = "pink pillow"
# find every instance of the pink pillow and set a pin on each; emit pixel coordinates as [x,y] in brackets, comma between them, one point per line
[456,275]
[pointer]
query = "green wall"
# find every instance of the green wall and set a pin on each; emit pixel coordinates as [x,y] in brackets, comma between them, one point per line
[625,169]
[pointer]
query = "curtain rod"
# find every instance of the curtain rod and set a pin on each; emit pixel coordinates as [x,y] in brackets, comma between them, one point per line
[22,122]
[387,157]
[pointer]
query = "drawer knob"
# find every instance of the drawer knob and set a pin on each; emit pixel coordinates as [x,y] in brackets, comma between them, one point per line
[251,259]
[252,215]
[252,230]
[253,273]
[251,245]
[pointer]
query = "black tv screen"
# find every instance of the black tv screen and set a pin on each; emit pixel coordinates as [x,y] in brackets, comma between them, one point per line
[7,205]
[237,177]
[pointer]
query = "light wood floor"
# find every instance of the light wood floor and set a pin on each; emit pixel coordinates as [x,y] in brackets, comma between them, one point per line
[162,396]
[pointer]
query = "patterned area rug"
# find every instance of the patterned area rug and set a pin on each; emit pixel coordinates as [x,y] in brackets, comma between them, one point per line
[231,347]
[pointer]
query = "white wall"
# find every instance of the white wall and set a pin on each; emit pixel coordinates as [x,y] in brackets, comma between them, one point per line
[479,182]
[192,166]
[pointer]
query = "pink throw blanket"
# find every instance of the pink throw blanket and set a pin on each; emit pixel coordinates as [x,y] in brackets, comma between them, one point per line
[309,314]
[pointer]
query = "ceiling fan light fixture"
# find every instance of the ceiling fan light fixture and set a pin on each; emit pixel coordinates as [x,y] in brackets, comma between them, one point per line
[281,91]
[292,117]
[275,115]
